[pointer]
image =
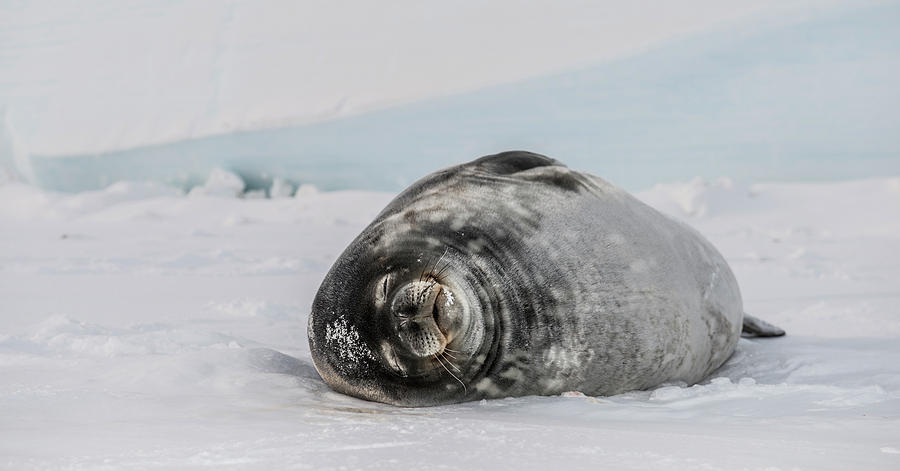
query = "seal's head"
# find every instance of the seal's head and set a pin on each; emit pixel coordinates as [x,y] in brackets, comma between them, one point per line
[426,304]
[405,328]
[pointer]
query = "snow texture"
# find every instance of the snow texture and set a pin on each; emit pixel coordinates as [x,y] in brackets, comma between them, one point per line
[221,183]
[344,338]
[144,328]
[155,317]
[101,75]
[797,93]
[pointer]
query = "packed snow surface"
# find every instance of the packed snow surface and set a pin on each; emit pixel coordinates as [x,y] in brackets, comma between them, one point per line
[143,327]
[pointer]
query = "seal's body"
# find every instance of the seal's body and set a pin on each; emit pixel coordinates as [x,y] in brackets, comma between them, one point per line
[513,275]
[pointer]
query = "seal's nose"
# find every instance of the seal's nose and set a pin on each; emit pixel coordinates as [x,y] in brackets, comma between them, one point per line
[417,300]
[416,309]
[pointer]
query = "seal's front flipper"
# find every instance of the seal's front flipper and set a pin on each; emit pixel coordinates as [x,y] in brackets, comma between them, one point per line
[754,327]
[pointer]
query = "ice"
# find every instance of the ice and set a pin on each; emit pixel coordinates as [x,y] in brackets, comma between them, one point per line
[14,158]
[90,78]
[281,188]
[807,97]
[700,197]
[306,191]
[220,183]
[144,328]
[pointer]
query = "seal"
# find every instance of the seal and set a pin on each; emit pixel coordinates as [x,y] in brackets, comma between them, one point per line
[514,275]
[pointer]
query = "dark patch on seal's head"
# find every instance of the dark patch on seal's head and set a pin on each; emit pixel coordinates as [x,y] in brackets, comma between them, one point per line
[507,163]
[559,177]
[532,167]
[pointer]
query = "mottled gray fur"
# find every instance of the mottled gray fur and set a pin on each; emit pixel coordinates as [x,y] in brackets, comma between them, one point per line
[553,281]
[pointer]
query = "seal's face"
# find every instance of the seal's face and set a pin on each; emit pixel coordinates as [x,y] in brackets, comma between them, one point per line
[424,319]
[404,328]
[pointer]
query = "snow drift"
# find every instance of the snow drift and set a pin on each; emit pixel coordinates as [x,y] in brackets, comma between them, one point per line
[146,328]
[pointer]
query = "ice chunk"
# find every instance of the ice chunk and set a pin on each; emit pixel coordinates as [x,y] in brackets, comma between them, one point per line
[305,191]
[14,161]
[699,197]
[281,188]
[221,182]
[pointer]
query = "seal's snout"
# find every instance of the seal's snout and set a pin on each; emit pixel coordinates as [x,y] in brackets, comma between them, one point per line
[417,314]
[416,300]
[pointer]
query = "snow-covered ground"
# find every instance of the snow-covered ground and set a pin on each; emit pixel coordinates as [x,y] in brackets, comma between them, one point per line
[140,327]
[149,326]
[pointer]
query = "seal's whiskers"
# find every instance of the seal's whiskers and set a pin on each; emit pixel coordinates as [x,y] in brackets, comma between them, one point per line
[465,389]
[450,354]
[440,258]
[450,363]
[424,269]
[441,271]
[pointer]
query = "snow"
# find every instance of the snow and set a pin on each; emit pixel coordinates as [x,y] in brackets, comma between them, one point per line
[142,327]
[101,75]
[155,316]
[808,97]
[221,182]
[281,188]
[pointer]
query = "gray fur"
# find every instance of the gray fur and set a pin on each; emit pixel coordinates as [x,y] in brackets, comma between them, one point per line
[559,282]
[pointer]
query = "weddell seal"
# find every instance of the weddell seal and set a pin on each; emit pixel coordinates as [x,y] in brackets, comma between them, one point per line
[513,275]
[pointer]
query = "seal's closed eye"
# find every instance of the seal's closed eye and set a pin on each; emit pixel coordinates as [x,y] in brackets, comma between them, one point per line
[381,291]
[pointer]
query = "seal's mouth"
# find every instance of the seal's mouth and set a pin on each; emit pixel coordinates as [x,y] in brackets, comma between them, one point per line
[419,318]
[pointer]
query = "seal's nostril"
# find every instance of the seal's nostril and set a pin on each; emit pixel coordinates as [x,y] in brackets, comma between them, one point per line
[435,313]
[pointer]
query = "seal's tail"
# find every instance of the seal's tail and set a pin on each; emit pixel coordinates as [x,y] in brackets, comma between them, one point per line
[755,327]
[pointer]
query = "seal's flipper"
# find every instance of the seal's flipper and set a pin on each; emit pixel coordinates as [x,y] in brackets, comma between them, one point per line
[755,327]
